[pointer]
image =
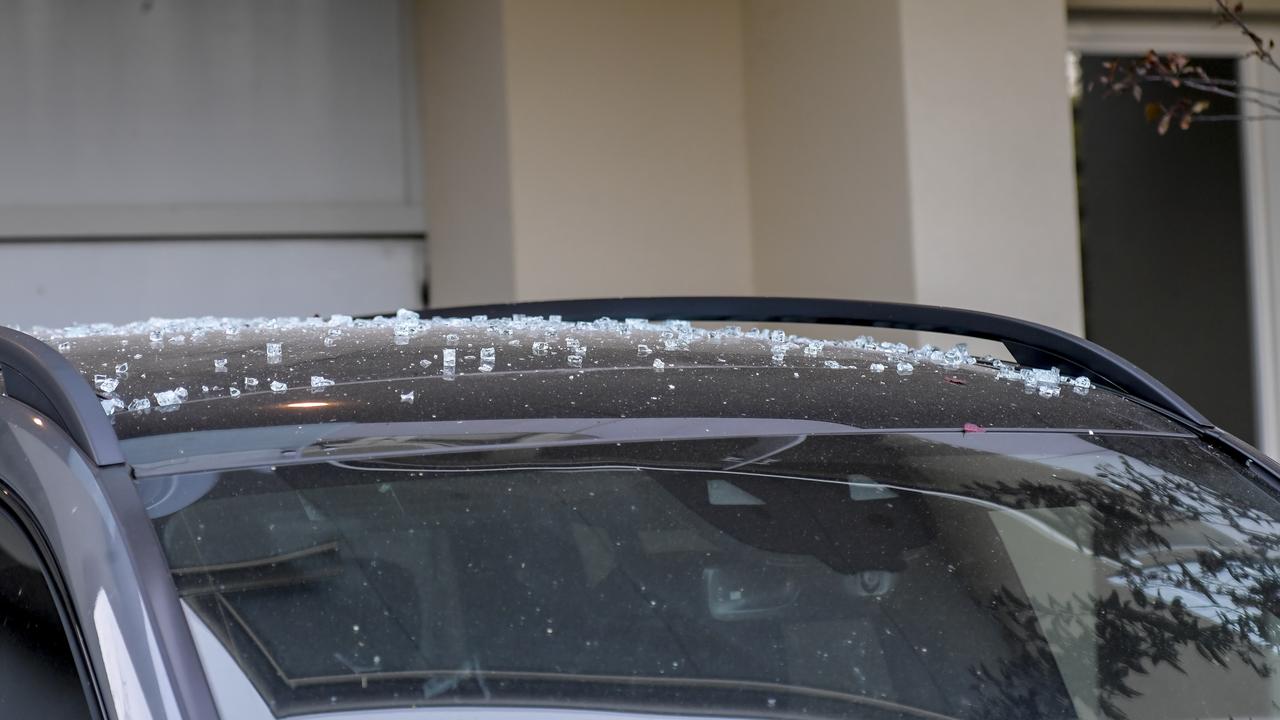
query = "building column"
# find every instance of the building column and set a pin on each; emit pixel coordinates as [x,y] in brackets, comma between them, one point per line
[584,147]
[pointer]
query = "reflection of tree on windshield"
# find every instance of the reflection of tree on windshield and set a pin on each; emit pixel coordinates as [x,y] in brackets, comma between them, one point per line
[1218,596]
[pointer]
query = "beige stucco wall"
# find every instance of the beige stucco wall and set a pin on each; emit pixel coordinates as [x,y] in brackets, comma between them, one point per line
[880,150]
[467,168]
[585,147]
[628,155]
[827,143]
[990,158]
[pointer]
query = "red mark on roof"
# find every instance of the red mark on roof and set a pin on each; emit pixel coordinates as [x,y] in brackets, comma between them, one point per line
[970,427]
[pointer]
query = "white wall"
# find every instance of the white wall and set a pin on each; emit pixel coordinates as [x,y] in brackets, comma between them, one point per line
[830,204]
[57,283]
[914,150]
[628,150]
[466,154]
[585,147]
[991,162]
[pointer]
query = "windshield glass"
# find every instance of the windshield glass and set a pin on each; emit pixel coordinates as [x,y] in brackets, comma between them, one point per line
[935,574]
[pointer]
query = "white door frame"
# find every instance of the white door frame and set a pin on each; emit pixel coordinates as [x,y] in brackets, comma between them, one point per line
[1259,141]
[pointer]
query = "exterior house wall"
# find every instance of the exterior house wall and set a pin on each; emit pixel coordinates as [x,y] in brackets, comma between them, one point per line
[830,201]
[991,164]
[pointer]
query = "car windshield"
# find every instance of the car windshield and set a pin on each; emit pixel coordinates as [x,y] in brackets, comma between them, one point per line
[878,575]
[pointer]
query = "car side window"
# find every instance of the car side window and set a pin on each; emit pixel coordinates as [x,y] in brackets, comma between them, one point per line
[39,676]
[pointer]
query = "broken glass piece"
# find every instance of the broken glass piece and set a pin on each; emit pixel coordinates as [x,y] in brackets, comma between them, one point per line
[487,355]
[905,368]
[319,381]
[451,339]
[178,340]
[167,398]
[877,367]
[234,392]
[105,384]
[778,336]
[278,387]
[1047,391]
[832,364]
[575,360]
[406,397]
[111,405]
[425,364]
[64,346]
[140,404]
[812,349]
[250,382]
[330,341]
[402,314]
[540,348]
[219,364]
[658,364]
[122,368]
[449,359]
[157,336]
[643,350]
[274,353]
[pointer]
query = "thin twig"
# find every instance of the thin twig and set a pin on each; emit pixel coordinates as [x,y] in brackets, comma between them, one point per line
[1262,47]
[1232,118]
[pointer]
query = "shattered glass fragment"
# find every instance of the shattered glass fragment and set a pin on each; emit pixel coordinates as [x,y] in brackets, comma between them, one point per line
[64,346]
[407,397]
[812,349]
[111,405]
[234,392]
[832,364]
[905,368]
[449,359]
[425,364]
[167,398]
[140,404]
[122,368]
[278,386]
[451,339]
[877,367]
[250,383]
[319,381]
[219,364]
[658,364]
[643,350]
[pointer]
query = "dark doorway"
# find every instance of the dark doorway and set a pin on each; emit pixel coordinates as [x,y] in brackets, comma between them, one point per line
[1162,228]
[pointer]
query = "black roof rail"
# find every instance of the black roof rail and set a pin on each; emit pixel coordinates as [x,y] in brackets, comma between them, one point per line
[40,377]
[1031,344]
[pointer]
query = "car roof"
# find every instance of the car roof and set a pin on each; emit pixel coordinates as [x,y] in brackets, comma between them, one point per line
[165,377]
